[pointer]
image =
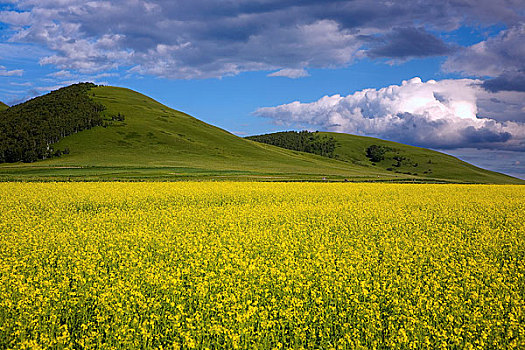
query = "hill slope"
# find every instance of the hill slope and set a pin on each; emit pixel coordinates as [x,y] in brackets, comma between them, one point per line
[381,155]
[31,128]
[3,106]
[157,136]
[156,142]
[400,158]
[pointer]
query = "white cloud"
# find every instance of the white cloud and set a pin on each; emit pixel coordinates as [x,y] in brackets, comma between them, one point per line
[15,18]
[290,73]
[87,56]
[443,114]
[11,73]
[21,84]
[61,74]
[209,38]
[504,53]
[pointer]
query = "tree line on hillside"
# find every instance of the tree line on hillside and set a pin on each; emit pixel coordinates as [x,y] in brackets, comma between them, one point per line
[28,130]
[304,141]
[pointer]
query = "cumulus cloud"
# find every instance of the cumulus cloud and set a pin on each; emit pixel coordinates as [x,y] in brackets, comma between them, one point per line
[437,114]
[493,56]
[88,56]
[502,56]
[208,38]
[318,44]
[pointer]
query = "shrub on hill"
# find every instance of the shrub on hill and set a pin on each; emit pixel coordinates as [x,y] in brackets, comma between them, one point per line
[376,153]
[29,129]
[304,141]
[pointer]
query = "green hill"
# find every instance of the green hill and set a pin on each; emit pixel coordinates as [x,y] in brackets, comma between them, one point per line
[156,142]
[30,129]
[409,160]
[3,106]
[381,155]
[141,139]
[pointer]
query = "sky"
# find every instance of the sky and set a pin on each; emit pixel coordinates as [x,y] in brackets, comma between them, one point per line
[446,75]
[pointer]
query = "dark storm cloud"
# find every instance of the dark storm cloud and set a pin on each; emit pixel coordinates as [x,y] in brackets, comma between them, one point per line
[506,83]
[484,135]
[207,38]
[501,56]
[408,42]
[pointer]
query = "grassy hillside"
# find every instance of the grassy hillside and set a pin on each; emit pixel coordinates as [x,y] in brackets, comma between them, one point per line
[156,142]
[395,158]
[3,106]
[409,160]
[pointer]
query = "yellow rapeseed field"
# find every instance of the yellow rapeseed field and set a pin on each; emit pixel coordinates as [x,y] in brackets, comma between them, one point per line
[261,266]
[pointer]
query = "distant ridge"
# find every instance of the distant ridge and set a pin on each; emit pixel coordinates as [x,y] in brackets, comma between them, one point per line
[133,137]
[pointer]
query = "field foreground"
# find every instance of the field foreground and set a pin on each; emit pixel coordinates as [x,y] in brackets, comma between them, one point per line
[261,265]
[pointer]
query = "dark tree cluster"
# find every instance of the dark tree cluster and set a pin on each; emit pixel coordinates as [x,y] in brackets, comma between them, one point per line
[29,130]
[377,153]
[400,160]
[304,141]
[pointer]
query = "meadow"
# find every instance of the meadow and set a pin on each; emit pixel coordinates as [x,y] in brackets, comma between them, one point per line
[261,266]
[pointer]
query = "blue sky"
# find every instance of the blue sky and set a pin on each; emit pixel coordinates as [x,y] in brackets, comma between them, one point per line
[444,75]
